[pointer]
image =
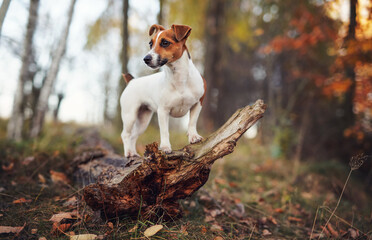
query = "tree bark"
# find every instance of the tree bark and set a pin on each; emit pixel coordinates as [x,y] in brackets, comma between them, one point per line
[15,125]
[3,10]
[160,16]
[152,185]
[46,90]
[124,56]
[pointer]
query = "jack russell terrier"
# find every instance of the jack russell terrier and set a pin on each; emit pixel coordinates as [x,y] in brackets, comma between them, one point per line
[173,92]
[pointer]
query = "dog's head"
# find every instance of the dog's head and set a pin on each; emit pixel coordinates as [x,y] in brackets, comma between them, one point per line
[166,46]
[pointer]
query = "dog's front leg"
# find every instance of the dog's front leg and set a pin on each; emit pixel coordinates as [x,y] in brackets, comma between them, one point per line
[163,118]
[194,137]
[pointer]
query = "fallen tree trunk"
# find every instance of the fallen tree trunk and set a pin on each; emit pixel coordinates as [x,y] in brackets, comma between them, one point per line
[152,185]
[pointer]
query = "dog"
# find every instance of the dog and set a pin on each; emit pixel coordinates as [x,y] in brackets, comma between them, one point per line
[178,89]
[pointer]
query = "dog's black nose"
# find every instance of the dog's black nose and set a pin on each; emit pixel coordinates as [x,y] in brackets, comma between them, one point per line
[147,59]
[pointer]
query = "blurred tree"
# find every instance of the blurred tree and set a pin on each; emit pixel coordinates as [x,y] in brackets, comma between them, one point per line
[160,16]
[3,10]
[46,90]
[124,57]
[15,125]
[213,68]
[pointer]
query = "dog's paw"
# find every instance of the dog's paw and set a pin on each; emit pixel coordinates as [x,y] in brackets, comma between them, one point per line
[195,138]
[166,149]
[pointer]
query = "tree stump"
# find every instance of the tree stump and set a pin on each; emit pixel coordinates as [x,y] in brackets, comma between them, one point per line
[153,184]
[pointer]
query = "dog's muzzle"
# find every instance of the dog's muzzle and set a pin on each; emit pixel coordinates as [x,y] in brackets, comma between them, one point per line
[154,61]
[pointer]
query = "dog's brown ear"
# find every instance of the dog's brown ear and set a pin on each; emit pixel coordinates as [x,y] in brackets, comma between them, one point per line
[127,77]
[155,28]
[181,31]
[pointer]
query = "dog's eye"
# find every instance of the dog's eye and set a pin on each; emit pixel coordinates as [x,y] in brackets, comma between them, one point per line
[164,43]
[150,43]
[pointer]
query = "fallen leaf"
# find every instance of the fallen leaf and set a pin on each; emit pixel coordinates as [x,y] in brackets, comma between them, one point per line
[216,228]
[151,231]
[184,230]
[2,189]
[8,168]
[57,227]
[294,219]
[70,202]
[42,238]
[218,238]
[204,230]
[133,229]
[215,212]
[28,160]
[332,230]
[72,233]
[266,232]
[7,229]
[220,181]
[58,177]
[22,200]
[110,225]
[209,218]
[353,234]
[33,231]
[83,237]
[41,178]
[60,216]
[272,220]
[233,184]
[279,210]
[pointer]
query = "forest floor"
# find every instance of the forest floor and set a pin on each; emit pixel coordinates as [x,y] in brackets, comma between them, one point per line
[249,195]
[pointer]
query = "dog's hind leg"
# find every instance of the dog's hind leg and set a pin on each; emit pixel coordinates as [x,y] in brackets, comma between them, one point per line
[143,120]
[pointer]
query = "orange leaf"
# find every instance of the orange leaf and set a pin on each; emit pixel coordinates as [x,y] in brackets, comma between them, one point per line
[60,228]
[22,200]
[279,210]
[8,168]
[7,229]
[58,177]
[294,219]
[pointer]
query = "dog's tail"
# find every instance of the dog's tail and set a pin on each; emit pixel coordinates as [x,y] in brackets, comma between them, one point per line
[127,77]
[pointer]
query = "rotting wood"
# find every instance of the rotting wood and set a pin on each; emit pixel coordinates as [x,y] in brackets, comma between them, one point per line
[153,184]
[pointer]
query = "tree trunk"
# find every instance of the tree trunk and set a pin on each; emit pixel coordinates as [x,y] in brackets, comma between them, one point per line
[213,60]
[124,56]
[152,185]
[56,111]
[3,10]
[46,90]
[160,16]
[15,125]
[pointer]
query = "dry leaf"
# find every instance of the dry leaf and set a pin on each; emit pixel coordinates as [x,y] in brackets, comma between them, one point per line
[184,230]
[332,230]
[353,234]
[294,219]
[60,216]
[9,167]
[72,233]
[42,238]
[133,229]
[110,225]
[266,232]
[209,218]
[28,160]
[272,220]
[57,227]
[218,238]
[72,201]
[204,230]
[151,231]
[7,229]
[33,231]
[41,178]
[216,228]
[58,177]
[22,200]
[83,237]
[279,210]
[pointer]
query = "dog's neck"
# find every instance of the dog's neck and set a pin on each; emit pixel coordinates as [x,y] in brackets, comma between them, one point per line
[178,71]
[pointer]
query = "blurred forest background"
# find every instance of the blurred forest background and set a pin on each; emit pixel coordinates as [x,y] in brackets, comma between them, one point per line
[310,61]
